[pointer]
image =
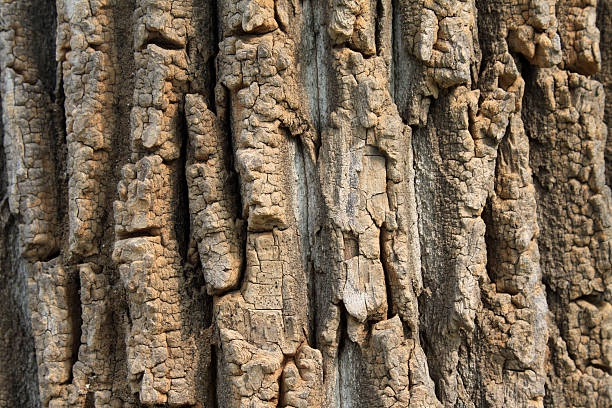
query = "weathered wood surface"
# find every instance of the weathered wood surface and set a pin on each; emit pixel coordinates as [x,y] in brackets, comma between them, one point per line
[300,203]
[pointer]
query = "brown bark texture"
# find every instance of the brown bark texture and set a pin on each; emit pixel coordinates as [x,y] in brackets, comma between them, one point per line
[305,203]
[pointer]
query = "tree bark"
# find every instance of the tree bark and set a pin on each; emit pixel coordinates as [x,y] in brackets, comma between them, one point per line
[299,203]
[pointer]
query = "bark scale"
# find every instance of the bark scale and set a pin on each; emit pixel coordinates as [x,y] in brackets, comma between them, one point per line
[298,203]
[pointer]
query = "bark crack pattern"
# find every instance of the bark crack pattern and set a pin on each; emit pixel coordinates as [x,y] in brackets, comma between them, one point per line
[306,203]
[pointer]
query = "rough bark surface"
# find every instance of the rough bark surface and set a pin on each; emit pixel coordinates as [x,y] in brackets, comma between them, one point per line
[300,203]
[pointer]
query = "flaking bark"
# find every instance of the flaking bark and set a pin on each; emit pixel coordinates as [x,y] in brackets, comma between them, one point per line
[299,203]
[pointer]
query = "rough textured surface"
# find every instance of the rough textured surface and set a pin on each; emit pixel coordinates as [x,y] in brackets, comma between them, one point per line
[299,203]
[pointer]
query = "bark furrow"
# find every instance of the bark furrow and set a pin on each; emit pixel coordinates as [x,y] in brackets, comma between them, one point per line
[299,203]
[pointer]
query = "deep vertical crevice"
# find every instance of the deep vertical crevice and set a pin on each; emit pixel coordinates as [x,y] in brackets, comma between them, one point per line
[404,81]
[122,38]
[120,318]
[312,73]
[121,321]
[225,117]
[202,50]
[42,18]
[379,27]
[121,13]
[281,388]
[314,84]
[303,220]
[234,180]
[395,42]
[212,72]
[3,180]
[214,83]
[604,24]
[490,243]
[350,367]
[60,150]
[206,45]
[343,335]
[213,373]
[431,190]
[384,259]
[182,223]
[75,312]
[24,384]
[196,310]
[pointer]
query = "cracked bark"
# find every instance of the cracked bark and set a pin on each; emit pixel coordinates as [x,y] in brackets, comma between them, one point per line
[299,203]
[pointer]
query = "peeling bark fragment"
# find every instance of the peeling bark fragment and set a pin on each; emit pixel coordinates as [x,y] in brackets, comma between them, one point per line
[165,23]
[144,207]
[212,205]
[442,36]
[302,380]
[261,75]
[248,16]
[160,356]
[354,181]
[249,374]
[353,22]
[267,315]
[94,363]
[397,369]
[87,58]
[49,296]
[27,143]
[28,134]
[532,31]
[161,81]
[579,36]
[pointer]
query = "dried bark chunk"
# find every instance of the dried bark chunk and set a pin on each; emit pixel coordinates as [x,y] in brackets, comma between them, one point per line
[212,202]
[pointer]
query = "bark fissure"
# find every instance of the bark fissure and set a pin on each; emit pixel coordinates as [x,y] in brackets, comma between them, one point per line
[293,203]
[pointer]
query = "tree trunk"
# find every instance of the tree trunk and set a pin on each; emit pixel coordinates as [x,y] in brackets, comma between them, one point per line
[300,203]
